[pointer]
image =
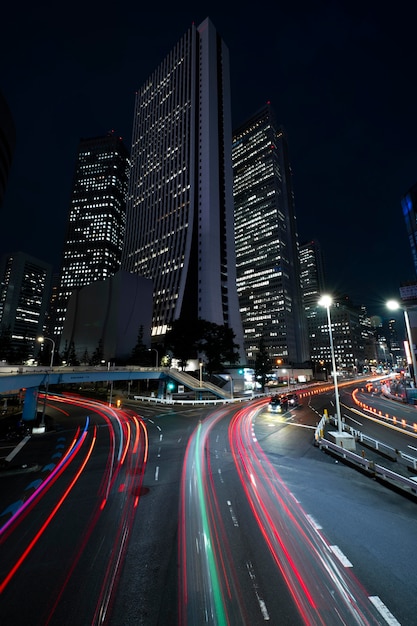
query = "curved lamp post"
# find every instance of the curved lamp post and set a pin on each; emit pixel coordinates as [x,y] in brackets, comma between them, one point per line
[41,340]
[326,302]
[156,357]
[393,305]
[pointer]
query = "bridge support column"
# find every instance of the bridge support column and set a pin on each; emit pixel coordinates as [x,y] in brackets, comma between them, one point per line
[30,404]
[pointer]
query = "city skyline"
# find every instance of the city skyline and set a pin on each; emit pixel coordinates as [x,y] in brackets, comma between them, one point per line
[335,75]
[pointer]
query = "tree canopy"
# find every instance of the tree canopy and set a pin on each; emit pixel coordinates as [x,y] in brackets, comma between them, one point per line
[202,339]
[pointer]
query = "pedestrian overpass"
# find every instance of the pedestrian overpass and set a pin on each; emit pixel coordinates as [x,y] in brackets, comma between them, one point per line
[30,379]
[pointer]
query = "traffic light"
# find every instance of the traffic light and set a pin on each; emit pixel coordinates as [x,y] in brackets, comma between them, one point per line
[170,386]
[241,371]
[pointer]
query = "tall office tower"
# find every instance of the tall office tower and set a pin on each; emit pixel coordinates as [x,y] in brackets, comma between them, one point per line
[312,275]
[24,296]
[409,207]
[96,221]
[348,331]
[267,251]
[7,144]
[179,224]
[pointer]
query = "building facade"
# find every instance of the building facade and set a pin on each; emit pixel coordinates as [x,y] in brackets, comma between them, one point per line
[24,296]
[349,324]
[267,249]
[312,276]
[106,317]
[96,220]
[179,224]
[409,207]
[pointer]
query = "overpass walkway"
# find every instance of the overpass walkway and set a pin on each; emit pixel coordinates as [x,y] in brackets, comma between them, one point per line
[14,379]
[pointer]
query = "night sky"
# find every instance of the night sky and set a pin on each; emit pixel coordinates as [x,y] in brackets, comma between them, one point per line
[341,77]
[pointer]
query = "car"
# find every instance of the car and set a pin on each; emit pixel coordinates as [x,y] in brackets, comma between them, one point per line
[278,404]
[283,402]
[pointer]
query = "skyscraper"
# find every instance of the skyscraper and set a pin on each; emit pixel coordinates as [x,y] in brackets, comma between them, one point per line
[312,275]
[96,220]
[409,207]
[179,224]
[267,252]
[24,294]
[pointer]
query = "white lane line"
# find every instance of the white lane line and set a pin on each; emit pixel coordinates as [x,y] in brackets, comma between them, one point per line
[232,515]
[313,522]
[156,472]
[261,602]
[382,609]
[337,552]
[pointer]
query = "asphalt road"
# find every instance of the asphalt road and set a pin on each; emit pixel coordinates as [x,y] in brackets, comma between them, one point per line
[373,527]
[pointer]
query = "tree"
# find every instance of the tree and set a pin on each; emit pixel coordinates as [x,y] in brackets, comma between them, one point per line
[263,364]
[189,340]
[97,356]
[140,353]
[218,345]
[6,348]
[181,340]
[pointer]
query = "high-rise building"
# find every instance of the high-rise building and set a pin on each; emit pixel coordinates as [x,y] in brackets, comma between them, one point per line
[312,275]
[348,330]
[409,207]
[267,250]
[24,295]
[96,220]
[179,224]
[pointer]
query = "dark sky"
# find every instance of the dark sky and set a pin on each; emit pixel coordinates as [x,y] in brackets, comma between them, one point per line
[341,77]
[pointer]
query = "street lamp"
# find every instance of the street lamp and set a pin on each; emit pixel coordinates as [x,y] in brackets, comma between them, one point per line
[41,340]
[327,301]
[231,386]
[201,373]
[393,305]
[42,423]
[157,355]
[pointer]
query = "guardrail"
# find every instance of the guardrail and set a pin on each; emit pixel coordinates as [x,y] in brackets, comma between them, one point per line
[383,473]
[193,402]
[408,484]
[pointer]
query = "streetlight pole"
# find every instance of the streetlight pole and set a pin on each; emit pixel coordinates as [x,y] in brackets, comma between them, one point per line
[393,305]
[157,355]
[327,301]
[41,340]
[201,373]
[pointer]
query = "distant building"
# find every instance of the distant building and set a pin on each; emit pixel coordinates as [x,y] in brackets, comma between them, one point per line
[348,331]
[7,144]
[96,220]
[24,296]
[409,207]
[267,248]
[312,275]
[179,225]
[106,317]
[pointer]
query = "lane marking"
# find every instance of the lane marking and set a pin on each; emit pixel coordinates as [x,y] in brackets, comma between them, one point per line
[232,515]
[313,522]
[337,552]
[261,601]
[382,609]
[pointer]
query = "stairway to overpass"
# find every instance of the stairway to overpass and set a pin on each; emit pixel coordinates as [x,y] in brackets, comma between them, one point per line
[194,385]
